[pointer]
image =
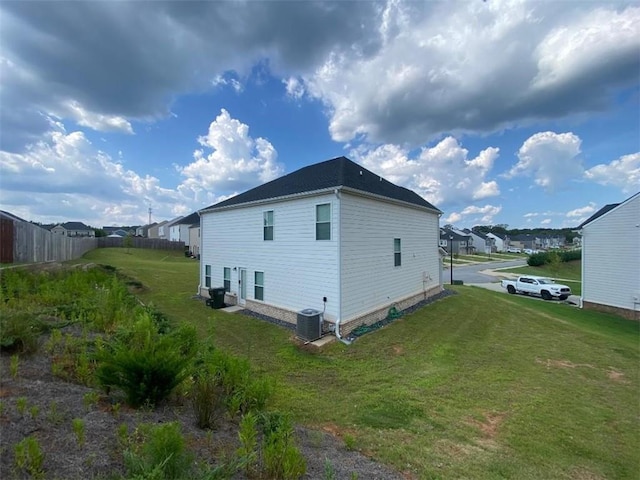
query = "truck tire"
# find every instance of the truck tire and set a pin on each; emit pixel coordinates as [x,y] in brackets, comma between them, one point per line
[545,295]
[511,289]
[563,297]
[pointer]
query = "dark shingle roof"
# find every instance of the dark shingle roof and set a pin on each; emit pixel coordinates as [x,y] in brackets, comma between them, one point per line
[75,226]
[599,213]
[338,172]
[189,219]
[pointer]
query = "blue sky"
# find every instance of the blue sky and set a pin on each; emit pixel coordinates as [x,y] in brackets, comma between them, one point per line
[498,112]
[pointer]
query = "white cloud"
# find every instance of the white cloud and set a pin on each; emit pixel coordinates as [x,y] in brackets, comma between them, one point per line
[295,88]
[546,221]
[97,121]
[582,211]
[474,215]
[552,159]
[63,176]
[623,173]
[441,174]
[437,69]
[230,160]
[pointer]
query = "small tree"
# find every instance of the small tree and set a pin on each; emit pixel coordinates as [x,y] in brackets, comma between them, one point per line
[128,243]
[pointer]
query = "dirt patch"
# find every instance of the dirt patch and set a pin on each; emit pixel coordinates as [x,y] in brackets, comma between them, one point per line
[38,404]
[398,350]
[562,363]
[616,376]
[490,425]
[580,473]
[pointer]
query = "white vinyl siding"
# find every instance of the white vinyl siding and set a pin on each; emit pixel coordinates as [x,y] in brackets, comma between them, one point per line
[611,258]
[369,278]
[300,270]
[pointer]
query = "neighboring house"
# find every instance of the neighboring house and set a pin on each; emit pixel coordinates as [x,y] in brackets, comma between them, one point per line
[179,230]
[154,230]
[194,239]
[611,258]
[73,229]
[456,241]
[143,231]
[524,241]
[116,231]
[165,228]
[333,237]
[479,241]
[499,241]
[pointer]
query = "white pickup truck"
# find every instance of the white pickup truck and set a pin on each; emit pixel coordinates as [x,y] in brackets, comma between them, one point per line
[542,286]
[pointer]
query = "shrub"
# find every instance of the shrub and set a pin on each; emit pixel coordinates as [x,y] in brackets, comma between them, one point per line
[537,259]
[281,458]
[145,365]
[570,255]
[19,332]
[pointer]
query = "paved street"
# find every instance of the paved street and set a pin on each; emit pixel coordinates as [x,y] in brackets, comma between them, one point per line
[471,273]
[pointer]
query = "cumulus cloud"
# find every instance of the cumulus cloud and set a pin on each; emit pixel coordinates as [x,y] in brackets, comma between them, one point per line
[552,159]
[64,176]
[582,211]
[474,215]
[294,87]
[623,173]
[442,174]
[437,69]
[230,160]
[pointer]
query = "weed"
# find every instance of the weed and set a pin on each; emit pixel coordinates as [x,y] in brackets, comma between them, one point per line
[248,435]
[161,454]
[19,332]
[29,457]
[1,408]
[329,470]
[78,426]
[53,415]
[349,441]
[354,476]
[281,458]
[115,409]
[21,405]
[90,399]
[34,411]
[13,367]
[205,399]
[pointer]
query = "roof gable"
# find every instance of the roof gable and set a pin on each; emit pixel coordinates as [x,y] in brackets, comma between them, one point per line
[74,226]
[189,219]
[606,209]
[334,173]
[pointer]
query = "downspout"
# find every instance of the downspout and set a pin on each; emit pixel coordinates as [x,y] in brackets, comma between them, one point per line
[339,316]
[582,264]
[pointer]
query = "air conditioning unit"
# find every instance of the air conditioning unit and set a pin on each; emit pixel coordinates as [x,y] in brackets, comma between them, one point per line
[309,324]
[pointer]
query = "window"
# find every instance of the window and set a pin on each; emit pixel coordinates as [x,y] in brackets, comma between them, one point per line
[227,279]
[397,252]
[268,225]
[207,276]
[323,221]
[258,283]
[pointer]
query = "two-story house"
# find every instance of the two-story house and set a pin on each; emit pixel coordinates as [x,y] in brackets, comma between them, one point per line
[334,237]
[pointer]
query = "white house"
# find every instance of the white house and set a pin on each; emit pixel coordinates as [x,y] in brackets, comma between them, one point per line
[179,230]
[194,239]
[333,237]
[611,258]
[73,229]
[164,230]
[499,241]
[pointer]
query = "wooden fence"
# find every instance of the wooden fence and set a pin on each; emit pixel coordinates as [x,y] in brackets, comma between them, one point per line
[23,242]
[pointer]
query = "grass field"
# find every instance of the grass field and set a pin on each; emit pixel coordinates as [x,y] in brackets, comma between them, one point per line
[478,385]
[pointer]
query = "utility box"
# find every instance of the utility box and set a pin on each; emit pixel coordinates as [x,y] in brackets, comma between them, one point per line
[216,297]
[309,324]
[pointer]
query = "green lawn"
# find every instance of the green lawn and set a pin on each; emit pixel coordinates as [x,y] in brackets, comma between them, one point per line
[478,385]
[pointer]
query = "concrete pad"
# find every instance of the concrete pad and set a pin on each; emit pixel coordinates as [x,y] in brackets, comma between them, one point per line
[232,309]
[322,341]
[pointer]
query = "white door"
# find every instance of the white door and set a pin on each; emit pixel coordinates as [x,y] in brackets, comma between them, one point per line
[242,286]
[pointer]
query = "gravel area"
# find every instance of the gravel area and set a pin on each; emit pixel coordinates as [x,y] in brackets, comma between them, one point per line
[52,404]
